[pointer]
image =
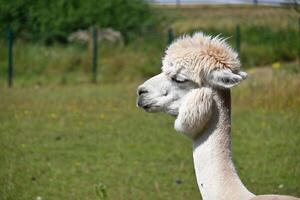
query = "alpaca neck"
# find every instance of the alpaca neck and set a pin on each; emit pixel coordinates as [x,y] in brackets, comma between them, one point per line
[216,176]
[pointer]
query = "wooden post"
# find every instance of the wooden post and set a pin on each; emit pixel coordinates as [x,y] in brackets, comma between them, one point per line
[238,39]
[177,3]
[170,36]
[95,50]
[9,56]
[299,42]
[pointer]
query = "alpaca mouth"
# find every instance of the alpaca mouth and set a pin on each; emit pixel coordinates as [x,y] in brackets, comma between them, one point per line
[141,104]
[149,107]
[145,107]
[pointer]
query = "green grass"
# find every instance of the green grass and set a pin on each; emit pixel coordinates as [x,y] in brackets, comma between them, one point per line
[64,141]
[38,64]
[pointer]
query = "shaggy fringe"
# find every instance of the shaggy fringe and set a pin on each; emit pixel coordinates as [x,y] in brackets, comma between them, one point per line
[199,54]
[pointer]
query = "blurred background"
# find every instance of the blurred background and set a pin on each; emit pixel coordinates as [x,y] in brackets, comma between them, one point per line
[69,69]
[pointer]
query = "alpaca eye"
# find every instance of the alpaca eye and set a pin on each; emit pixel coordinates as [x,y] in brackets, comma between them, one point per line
[178,80]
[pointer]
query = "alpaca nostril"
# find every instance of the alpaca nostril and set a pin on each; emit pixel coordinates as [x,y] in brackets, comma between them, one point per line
[165,93]
[142,91]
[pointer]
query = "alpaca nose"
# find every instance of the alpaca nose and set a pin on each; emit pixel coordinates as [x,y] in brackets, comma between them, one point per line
[142,90]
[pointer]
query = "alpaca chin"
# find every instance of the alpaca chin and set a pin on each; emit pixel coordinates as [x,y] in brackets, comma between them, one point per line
[178,126]
[194,113]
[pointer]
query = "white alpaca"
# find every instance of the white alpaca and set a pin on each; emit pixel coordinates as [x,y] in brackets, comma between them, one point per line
[197,73]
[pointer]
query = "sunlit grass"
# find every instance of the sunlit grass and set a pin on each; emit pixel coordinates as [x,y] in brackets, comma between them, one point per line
[74,141]
[227,17]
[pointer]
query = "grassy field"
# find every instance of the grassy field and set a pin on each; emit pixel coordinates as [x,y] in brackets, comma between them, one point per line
[227,17]
[64,138]
[80,142]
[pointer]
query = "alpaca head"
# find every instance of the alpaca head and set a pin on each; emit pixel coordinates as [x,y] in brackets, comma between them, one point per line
[193,66]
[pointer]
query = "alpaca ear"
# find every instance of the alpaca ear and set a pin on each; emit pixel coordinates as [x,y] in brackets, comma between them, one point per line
[226,78]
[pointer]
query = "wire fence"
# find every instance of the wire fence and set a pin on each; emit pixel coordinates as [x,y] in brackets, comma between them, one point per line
[258,44]
[248,2]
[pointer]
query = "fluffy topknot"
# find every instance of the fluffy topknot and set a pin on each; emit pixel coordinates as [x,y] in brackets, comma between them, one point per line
[199,54]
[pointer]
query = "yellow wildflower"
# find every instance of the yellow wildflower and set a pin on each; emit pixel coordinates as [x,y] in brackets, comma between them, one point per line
[276,65]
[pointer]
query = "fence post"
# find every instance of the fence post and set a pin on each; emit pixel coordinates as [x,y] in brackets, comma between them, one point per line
[10,56]
[299,42]
[178,3]
[238,39]
[170,36]
[94,61]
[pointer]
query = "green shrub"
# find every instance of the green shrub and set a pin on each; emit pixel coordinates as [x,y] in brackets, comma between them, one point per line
[54,20]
